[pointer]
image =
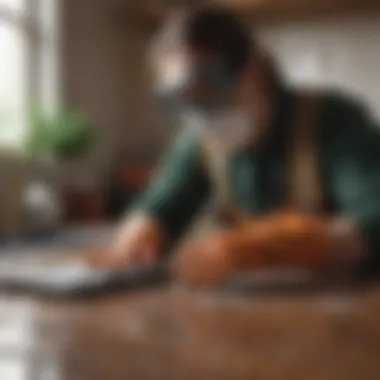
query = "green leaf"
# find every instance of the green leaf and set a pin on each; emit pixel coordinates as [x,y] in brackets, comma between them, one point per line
[63,136]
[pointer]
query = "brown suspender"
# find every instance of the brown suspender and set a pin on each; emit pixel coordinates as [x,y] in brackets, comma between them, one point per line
[302,170]
[305,191]
[216,164]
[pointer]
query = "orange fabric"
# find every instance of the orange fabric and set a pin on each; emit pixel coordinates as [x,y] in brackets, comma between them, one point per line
[285,239]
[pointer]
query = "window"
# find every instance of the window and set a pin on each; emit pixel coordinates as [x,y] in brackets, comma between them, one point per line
[27,64]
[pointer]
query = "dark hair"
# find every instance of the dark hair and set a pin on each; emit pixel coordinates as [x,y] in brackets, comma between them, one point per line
[218,31]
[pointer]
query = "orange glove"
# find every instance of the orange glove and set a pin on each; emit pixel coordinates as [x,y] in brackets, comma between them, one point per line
[285,239]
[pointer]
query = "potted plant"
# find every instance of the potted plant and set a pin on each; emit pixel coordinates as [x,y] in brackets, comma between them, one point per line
[55,143]
[61,137]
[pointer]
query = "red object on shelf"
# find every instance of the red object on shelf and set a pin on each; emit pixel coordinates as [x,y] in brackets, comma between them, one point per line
[86,206]
[135,178]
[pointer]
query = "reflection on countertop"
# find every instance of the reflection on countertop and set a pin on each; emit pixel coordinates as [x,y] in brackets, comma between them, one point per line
[174,333]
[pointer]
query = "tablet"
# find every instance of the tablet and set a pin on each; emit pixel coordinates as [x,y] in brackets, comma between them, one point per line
[80,280]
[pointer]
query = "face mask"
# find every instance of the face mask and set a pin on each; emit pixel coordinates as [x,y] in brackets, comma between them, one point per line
[207,88]
[211,89]
[231,131]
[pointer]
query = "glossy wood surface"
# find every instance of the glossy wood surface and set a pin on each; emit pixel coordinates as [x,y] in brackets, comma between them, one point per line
[174,333]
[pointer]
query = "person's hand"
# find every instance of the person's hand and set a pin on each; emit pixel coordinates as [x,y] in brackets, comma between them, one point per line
[206,262]
[214,259]
[138,242]
[285,239]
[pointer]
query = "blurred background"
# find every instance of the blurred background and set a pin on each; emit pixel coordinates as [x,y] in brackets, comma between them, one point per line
[80,135]
[79,131]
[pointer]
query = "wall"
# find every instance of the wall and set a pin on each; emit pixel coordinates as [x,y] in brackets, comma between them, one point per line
[338,52]
[15,176]
[104,73]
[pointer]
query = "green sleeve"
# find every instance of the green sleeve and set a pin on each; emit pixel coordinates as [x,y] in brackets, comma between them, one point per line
[352,153]
[178,189]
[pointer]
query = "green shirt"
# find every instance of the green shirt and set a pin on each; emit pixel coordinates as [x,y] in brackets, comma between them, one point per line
[348,147]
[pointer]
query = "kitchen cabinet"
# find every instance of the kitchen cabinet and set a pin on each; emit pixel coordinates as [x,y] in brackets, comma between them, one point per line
[287,10]
[149,14]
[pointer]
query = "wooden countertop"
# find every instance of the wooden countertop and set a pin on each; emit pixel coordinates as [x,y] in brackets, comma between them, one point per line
[174,333]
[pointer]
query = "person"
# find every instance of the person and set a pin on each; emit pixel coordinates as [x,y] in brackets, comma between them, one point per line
[224,88]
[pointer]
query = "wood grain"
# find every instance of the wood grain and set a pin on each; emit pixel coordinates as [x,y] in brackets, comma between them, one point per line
[174,333]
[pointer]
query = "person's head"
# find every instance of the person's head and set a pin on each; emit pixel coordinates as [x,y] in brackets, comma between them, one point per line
[207,62]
